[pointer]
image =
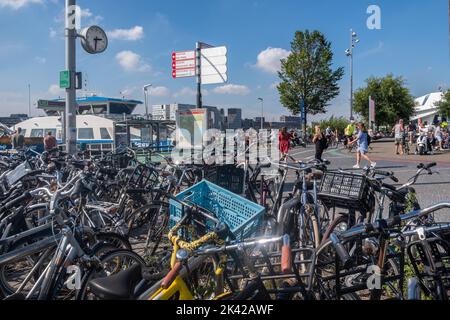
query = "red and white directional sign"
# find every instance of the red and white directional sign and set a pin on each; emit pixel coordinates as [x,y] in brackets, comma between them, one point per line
[183,73]
[183,55]
[183,64]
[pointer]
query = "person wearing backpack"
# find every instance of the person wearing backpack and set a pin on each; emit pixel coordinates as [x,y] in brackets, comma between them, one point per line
[321,143]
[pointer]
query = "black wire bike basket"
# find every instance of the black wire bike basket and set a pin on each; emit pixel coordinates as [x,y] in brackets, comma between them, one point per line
[344,190]
[143,177]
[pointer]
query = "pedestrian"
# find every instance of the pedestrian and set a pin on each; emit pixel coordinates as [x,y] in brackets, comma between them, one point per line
[285,140]
[439,137]
[320,141]
[363,147]
[399,131]
[18,140]
[50,142]
[411,132]
[349,132]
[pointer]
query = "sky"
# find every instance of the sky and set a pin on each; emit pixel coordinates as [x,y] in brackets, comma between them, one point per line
[413,42]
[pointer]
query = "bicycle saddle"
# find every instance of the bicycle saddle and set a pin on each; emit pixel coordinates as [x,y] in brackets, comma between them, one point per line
[120,286]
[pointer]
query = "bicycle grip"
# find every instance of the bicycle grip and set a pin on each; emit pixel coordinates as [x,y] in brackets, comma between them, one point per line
[340,250]
[171,276]
[286,256]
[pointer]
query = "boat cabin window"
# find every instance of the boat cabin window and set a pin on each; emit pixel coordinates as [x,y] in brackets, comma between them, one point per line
[53,131]
[86,134]
[104,134]
[37,133]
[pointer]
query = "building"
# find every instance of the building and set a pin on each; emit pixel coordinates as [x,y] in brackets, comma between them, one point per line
[426,107]
[234,119]
[168,112]
[291,120]
[248,124]
[99,106]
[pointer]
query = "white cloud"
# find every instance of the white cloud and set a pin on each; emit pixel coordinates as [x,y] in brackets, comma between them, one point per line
[40,60]
[159,92]
[53,33]
[232,89]
[17,4]
[131,61]
[185,92]
[269,60]
[132,34]
[55,91]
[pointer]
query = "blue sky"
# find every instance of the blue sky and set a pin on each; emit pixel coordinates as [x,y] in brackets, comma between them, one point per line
[413,42]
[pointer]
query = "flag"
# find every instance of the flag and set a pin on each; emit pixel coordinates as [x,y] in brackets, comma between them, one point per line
[372,111]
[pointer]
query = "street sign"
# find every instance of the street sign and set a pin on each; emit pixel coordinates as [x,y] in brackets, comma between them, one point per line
[183,73]
[214,79]
[183,55]
[183,64]
[214,65]
[213,70]
[64,80]
[215,52]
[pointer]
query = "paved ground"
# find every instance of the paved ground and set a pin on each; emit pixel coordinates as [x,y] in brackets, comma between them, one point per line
[431,189]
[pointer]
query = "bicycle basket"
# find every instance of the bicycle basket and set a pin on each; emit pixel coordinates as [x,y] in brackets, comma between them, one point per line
[228,177]
[344,190]
[143,177]
[242,216]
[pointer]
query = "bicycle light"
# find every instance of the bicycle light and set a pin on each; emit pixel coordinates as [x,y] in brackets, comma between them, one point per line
[182,255]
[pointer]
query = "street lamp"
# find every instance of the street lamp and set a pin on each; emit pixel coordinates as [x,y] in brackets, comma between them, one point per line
[146,87]
[349,52]
[262,112]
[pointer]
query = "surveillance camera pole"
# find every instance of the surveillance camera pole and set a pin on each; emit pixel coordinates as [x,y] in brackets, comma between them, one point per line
[70,112]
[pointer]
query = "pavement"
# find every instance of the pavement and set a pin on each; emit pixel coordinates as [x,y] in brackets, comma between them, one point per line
[430,189]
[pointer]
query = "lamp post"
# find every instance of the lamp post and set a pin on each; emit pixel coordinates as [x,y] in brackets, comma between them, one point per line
[262,112]
[146,87]
[29,100]
[349,52]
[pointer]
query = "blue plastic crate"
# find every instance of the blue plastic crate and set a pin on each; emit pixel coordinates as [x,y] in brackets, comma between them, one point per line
[242,216]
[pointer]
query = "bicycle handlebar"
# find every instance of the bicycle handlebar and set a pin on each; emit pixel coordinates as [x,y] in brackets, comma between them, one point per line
[378,226]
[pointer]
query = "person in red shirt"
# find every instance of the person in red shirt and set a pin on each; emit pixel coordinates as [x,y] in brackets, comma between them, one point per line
[285,140]
[50,142]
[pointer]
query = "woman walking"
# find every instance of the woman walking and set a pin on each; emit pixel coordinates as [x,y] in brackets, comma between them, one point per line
[285,141]
[363,147]
[320,141]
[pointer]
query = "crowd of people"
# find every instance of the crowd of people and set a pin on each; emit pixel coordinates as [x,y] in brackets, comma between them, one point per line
[356,136]
[434,138]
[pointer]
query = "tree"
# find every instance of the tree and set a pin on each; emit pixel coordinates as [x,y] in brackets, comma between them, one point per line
[334,123]
[444,105]
[307,75]
[393,100]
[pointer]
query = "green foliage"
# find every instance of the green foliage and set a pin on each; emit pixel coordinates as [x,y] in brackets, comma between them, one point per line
[393,100]
[444,104]
[307,74]
[334,123]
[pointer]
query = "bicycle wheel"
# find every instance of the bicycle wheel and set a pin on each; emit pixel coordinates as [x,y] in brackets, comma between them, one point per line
[110,264]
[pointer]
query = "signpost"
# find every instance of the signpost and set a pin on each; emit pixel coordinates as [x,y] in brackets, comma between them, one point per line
[64,80]
[207,63]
